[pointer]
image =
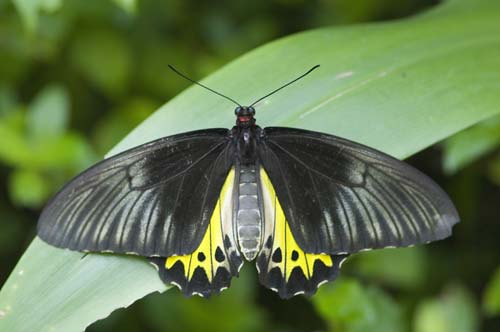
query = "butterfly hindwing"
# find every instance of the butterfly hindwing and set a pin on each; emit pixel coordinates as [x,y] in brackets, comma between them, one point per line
[283,266]
[210,267]
[342,197]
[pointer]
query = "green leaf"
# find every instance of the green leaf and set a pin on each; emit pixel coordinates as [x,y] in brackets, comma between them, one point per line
[68,151]
[403,267]
[30,10]
[112,127]
[399,87]
[491,301]
[28,188]
[129,6]
[58,281]
[48,113]
[8,100]
[237,300]
[350,307]
[104,58]
[17,150]
[454,311]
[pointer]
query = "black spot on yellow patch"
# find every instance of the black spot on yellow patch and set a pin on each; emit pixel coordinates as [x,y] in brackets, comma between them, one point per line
[219,255]
[201,257]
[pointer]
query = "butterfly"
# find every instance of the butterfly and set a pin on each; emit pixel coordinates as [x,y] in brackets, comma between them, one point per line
[198,204]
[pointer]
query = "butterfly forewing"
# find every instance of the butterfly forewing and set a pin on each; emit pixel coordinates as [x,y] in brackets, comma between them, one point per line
[154,200]
[342,197]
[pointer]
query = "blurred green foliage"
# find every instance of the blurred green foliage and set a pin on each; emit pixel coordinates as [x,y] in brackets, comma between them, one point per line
[471,144]
[491,299]
[453,311]
[41,148]
[234,312]
[349,306]
[76,76]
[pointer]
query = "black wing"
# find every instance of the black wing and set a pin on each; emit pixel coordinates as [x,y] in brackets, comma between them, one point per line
[342,197]
[152,200]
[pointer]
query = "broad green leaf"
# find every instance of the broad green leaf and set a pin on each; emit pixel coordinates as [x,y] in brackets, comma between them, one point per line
[453,311]
[399,86]
[491,300]
[61,280]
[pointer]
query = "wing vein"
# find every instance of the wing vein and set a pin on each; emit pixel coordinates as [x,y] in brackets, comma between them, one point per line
[110,211]
[389,213]
[400,204]
[127,218]
[188,168]
[150,215]
[80,230]
[347,221]
[368,215]
[169,234]
[301,162]
[318,198]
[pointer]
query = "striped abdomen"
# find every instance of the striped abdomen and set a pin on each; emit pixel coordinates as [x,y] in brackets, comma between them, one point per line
[248,217]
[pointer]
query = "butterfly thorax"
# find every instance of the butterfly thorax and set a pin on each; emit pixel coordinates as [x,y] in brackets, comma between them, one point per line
[246,140]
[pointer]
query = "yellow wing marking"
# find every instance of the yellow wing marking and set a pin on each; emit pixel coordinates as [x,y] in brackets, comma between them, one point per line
[291,254]
[204,255]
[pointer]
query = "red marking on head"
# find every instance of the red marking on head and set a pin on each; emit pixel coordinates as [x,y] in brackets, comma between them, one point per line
[244,118]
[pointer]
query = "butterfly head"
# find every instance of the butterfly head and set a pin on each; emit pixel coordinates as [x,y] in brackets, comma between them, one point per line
[245,116]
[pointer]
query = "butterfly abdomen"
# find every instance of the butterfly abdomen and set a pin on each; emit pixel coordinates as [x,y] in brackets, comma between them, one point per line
[248,218]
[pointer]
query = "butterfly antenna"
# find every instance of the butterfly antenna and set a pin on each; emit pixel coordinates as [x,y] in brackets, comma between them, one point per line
[203,86]
[284,86]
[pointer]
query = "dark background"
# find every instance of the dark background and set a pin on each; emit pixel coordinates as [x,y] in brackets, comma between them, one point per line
[101,68]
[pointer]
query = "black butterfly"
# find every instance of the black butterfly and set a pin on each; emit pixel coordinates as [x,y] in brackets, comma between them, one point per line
[297,201]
